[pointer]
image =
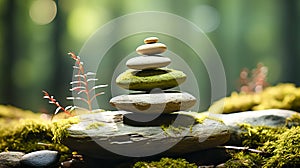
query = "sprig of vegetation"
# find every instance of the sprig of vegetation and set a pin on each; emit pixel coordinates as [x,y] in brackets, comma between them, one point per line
[81,86]
[59,108]
[257,82]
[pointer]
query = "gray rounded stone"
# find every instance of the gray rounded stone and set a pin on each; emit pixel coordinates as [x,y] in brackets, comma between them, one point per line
[148,62]
[42,158]
[10,159]
[154,102]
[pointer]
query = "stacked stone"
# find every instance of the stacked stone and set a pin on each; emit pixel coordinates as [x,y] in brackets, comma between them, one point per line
[148,75]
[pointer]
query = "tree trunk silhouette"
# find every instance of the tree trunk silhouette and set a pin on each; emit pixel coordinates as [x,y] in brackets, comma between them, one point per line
[9,53]
[290,40]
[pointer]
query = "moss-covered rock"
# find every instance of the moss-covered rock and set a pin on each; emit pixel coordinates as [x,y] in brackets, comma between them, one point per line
[26,131]
[280,146]
[145,80]
[282,96]
[30,135]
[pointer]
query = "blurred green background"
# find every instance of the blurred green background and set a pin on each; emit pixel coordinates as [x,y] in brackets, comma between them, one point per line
[36,35]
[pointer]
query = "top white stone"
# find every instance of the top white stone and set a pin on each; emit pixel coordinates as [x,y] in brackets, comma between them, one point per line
[151,47]
[150,40]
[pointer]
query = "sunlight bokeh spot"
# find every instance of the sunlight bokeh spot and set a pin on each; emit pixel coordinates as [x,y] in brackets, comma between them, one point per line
[43,12]
[206,17]
[83,21]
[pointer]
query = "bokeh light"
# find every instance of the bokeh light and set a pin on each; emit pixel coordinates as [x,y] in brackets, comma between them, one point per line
[43,12]
[206,17]
[83,21]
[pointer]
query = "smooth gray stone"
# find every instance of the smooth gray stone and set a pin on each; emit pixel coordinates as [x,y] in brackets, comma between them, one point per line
[42,158]
[115,140]
[148,62]
[154,102]
[271,117]
[10,159]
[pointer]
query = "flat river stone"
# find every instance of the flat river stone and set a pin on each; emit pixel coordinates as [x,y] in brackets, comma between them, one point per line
[148,62]
[112,140]
[146,80]
[154,102]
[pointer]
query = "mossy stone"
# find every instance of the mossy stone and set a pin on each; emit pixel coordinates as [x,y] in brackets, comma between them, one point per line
[146,80]
[26,131]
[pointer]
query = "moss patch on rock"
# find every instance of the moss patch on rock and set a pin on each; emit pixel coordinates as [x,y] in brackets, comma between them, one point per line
[200,116]
[145,80]
[94,125]
[282,96]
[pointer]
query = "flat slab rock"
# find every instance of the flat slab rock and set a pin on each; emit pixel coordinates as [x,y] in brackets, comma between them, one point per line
[112,138]
[270,117]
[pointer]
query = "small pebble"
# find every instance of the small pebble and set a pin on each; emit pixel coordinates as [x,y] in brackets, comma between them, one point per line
[150,40]
[73,163]
[42,158]
[151,49]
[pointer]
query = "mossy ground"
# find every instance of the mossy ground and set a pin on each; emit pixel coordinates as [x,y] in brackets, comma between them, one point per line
[280,146]
[282,96]
[26,131]
[166,163]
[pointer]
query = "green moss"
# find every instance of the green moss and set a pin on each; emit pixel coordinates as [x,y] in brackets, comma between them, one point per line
[166,162]
[281,147]
[26,131]
[294,120]
[285,150]
[282,96]
[163,78]
[28,135]
[244,160]
[94,125]
[172,131]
